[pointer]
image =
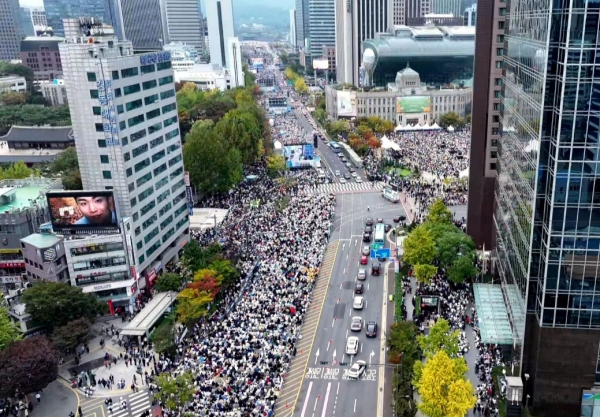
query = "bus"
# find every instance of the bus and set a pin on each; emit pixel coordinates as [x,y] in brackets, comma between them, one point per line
[335,147]
[379,239]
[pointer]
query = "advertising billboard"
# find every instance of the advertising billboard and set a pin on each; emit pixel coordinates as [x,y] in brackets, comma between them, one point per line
[83,212]
[413,104]
[346,103]
[320,64]
[301,156]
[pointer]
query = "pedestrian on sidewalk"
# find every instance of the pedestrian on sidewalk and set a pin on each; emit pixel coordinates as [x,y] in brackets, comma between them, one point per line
[38,397]
[80,412]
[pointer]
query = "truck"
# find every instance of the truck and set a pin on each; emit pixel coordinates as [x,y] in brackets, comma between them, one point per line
[391,195]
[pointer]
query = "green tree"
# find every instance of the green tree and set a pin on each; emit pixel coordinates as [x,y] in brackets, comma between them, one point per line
[175,391]
[227,270]
[9,331]
[16,170]
[275,164]
[72,334]
[424,272]
[163,337]
[195,258]
[213,165]
[451,119]
[441,337]
[452,245]
[443,387]
[54,304]
[402,341]
[321,115]
[300,85]
[67,167]
[241,131]
[168,282]
[439,213]
[419,247]
[12,98]
[27,366]
[462,268]
[338,127]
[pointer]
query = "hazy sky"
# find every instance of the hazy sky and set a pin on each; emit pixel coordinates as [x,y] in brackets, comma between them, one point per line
[288,4]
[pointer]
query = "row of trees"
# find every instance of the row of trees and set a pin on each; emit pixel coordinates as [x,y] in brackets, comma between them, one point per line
[227,132]
[66,313]
[453,119]
[33,115]
[438,243]
[299,82]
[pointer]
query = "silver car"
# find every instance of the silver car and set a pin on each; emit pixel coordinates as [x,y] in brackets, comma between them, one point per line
[362,274]
[356,325]
[366,250]
[357,369]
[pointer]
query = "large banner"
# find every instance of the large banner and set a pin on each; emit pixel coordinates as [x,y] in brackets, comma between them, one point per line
[300,156]
[83,211]
[346,103]
[413,104]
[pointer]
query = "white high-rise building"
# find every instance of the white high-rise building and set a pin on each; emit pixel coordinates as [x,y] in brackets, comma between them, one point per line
[219,19]
[124,118]
[293,27]
[185,23]
[234,58]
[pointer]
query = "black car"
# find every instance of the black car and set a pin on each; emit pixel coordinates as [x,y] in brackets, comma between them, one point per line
[387,227]
[396,219]
[402,218]
[368,229]
[371,329]
[369,221]
[367,237]
[359,288]
[376,268]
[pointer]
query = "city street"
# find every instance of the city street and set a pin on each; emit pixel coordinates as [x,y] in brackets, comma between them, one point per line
[326,389]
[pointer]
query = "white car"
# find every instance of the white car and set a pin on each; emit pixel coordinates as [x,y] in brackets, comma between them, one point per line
[352,345]
[337,173]
[357,369]
[356,325]
[354,174]
[362,274]
[358,303]
[342,180]
[358,180]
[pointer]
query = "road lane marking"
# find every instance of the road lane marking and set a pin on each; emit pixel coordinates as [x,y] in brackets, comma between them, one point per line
[355,405]
[327,399]
[333,323]
[306,400]
[315,407]
[338,390]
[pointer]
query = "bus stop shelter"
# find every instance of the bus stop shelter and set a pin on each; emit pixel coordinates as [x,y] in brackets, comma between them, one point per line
[143,322]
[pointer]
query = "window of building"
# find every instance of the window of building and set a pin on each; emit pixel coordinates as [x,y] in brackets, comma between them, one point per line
[493,166]
[497,94]
[129,72]
[158,156]
[139,150]
[146,193]
[124,141]
[146,85]
[155,128]
[152,114]
[91,76]
[129,172]
[151,99]
[165,80]
[499,51]
[99,127]
[174,160]
[122,125]
[172,134]
[494,154]
[147,69]
[170,121]
[104,159]
[96,110]
[143,180]
[169,107]
[94,94]
[501,25]
[494,142]
[141,165]
[498,81]
[131,187]
[495,131]
[500,38]
[132,105]
[131,89]
[148,207]
[120,109]
[133,121]
[160,170]
[106,175]
[133,202]
[102,143]
[137,135]
[502,11]
[163,65]
[141,259]
[167,94]
[115,75]
[118,92]
[155,142]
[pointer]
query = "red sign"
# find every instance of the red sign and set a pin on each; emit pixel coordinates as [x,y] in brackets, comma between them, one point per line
[133,272]
[12,264]
[150,276]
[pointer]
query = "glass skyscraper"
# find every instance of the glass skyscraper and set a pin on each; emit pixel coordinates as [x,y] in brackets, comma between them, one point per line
[547,214]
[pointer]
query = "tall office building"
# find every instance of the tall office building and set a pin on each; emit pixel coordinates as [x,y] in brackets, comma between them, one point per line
[144,24]
[10,29]
[185,23]
[357,20]
[57,10]
[321,26]
[302,23]
[26,24]
[293,27]
[403,10]
[547,214]
[453,7]
[124,117]
[219,17]
[470,15]
[234,58]
[485,120]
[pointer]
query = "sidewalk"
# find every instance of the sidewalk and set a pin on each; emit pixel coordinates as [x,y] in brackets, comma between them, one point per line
[94,361]
[410,206]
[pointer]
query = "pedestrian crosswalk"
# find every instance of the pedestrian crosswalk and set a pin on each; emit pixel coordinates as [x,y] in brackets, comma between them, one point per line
[350,187]
[136,404]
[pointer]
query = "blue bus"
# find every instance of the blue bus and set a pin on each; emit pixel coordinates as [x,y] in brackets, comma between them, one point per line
[335,147]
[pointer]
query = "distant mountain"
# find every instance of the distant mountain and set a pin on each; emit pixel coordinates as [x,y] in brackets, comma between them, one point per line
[274,17]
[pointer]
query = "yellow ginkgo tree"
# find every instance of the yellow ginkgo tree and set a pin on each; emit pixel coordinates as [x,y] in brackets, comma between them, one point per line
[444,388]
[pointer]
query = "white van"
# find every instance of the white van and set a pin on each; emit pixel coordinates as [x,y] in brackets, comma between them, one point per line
[391,195]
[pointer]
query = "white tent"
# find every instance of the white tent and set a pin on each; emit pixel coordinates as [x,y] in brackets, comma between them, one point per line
[450,129]
[399,128]
[388,144]
[435,126]
[464,174]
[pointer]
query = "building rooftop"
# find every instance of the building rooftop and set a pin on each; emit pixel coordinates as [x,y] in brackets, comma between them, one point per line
[412,41]
[41,134]
[23,196]
[41,240]
[33,43]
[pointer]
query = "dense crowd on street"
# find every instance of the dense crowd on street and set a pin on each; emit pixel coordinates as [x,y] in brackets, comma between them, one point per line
[288,131]
[238,356]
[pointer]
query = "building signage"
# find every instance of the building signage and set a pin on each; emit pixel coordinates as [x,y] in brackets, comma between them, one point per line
[12,264]
[101,287]
[12,280]
[129,241]
[108,112]
[48,255]
[108,286]
[186,178]
[151,275]
[155,58]
[6,251]
[133,272]
[188,191]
